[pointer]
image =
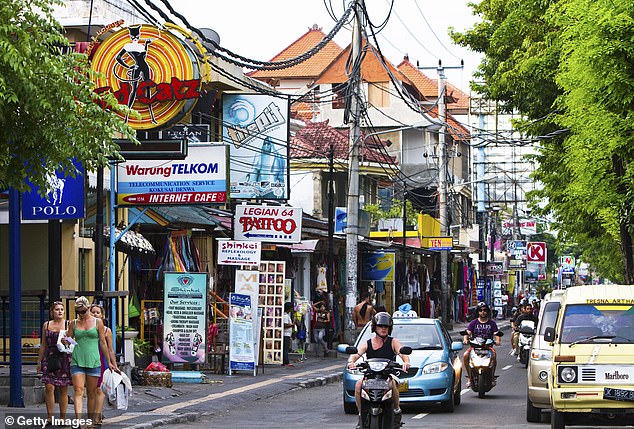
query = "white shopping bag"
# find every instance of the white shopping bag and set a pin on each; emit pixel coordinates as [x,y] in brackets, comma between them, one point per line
[122,397]
[63,348]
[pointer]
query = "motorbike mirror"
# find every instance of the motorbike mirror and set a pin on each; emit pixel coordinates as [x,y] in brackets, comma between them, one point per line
[499,334]
[463,332]
[351,350]
[405,350]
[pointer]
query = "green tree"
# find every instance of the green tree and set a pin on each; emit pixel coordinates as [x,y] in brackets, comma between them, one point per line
[567,65]
[395,211]
[49,113]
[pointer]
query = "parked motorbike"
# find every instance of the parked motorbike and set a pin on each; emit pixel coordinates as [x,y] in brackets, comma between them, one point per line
[377,407]
[526,332]
[481,363]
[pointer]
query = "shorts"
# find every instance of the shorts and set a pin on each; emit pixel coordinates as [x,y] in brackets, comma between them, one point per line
[92,372]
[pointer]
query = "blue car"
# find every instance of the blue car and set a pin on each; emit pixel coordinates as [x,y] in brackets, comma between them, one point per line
[436,365]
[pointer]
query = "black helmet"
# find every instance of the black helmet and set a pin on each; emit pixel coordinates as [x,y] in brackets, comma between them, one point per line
[384,319]
[483,305]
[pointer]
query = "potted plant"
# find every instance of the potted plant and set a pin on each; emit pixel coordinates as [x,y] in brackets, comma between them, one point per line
[142,352]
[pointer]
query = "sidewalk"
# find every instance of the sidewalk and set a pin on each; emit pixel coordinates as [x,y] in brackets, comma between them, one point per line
[187,402]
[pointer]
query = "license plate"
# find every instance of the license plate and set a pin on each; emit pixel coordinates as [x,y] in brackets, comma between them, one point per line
[403,386]
[618,394]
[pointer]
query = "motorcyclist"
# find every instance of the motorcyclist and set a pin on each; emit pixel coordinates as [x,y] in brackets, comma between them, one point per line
[526,313]
[382,345]
[483,327]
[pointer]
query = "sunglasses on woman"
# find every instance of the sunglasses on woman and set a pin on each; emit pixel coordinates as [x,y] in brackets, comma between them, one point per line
[81,312]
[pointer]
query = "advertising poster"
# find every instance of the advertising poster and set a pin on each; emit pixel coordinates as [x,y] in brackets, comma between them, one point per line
[241,340]
[248,283]
[239,252]
[201,178]
[268,223]
[257,132]
[378,266]
[64,198]
[184,324]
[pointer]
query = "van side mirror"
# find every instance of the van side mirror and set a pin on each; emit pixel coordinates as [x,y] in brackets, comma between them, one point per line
[549,334]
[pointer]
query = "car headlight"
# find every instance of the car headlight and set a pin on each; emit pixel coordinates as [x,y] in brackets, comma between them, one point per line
[435,368]
[567,374]
[541,355]
[378,366]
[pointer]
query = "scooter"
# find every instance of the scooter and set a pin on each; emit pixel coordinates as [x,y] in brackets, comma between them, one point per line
[377,407]
[526,332]
[481,364]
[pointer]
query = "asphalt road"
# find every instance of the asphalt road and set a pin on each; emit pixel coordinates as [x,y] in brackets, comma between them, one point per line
[321,407]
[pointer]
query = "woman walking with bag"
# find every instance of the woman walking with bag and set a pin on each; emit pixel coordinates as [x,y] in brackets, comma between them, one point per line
[98,312]
[54,364]
[89,334]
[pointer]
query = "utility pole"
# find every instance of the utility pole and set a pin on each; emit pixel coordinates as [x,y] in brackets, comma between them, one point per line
[353,180]
[442,192]
[330,272]
[442,188]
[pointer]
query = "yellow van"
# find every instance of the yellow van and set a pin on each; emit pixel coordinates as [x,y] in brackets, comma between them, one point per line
[592,373]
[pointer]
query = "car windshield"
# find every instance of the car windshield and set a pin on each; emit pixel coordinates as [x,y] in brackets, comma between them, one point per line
[549,316]
[598,323]
[416,336]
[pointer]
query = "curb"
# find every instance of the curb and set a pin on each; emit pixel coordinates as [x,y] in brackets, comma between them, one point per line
[321,381]
[192,417]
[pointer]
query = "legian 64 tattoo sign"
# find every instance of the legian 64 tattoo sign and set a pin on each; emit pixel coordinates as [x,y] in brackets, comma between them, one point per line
[268,223]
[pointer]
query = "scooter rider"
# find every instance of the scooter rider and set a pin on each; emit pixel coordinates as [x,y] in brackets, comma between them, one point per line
[526,314]
[483,327]
[383,346]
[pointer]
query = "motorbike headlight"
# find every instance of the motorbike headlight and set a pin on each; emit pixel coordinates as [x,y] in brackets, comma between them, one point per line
[435,368]
[568,374]
[377,366]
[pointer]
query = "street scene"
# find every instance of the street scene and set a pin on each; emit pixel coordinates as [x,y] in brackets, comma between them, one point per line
[368,213]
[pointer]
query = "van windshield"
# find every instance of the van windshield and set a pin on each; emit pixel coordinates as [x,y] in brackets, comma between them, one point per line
[583,322]
[549,316]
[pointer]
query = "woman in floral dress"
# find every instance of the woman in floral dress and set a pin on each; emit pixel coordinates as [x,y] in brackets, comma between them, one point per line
[59,378]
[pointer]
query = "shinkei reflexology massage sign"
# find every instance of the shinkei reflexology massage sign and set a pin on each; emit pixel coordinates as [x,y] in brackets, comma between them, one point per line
[151,71]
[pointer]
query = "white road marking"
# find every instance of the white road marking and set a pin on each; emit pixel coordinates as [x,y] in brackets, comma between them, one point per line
[463,391]
[419,416]
[170,409]
[507,367]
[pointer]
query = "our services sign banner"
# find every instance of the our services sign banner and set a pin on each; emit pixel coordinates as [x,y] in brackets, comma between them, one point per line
[239,252]
[185,318]
[201,178]
[268,223]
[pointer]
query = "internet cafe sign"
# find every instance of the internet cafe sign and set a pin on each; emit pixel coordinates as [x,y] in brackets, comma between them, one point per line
[151,71]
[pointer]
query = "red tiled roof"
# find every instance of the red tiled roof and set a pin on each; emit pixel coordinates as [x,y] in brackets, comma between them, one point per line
[312,67]
[429,87]
[313,141]
[372,70]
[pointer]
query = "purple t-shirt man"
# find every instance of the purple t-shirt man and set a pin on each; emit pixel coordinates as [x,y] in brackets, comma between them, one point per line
[482,329]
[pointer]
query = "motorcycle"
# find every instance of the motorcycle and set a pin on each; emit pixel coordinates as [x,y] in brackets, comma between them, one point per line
[481,364]
[526,332]
[377,408]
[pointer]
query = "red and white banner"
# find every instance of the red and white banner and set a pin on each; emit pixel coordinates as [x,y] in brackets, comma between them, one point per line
[536,251]
[268,223]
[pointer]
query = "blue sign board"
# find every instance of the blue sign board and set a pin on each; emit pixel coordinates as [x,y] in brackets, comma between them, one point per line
[64,199]
[341,220]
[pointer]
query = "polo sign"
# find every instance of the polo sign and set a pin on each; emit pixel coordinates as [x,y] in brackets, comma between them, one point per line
[64,198]
[268,223]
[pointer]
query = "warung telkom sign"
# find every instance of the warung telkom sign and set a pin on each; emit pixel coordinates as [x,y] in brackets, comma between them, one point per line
[201,178]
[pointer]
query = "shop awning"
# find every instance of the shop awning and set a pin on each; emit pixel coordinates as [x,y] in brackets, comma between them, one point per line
[131,242]
[182,216]
[304,246]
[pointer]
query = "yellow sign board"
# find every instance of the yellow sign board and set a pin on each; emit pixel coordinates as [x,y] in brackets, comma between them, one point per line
[437,243]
